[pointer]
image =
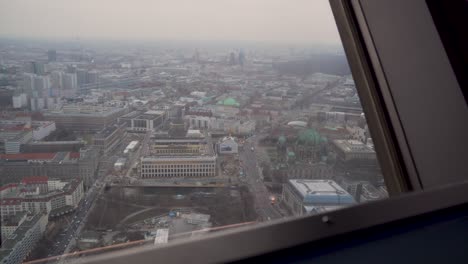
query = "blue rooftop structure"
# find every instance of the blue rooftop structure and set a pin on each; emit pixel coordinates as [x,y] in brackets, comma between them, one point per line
[321,192]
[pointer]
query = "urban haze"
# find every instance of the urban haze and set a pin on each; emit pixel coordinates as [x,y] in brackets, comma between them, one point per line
[139,123]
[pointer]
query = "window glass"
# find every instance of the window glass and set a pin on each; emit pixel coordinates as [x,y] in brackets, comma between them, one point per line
[140,122]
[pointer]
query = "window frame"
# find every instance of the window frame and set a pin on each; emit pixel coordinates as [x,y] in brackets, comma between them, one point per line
[261,239]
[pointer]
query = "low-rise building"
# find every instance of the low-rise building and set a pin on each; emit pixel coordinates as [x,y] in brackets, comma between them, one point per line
[178,166]
[11,223]
[26,197]
[84,117]
[62,165]
[52,146]
[314,196]
[357,160]
[141,122]
[228,145]
[108,138]
[120,164]
[12,136]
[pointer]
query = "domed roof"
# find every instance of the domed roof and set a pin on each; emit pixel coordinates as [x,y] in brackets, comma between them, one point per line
[297,124]
[309,137]
[281,140]
[229,102]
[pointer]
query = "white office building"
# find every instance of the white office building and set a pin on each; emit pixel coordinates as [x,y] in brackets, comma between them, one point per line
[174,167]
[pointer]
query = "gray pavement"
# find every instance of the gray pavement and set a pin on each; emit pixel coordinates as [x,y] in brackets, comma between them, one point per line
[262,202]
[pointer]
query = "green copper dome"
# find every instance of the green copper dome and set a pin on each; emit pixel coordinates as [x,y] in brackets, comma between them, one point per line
[281,140]
[229,102]
[309,137]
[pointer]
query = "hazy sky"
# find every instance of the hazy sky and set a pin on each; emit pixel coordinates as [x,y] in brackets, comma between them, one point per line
[278,21]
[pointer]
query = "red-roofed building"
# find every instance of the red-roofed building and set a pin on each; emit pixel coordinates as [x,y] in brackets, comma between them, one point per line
[57,165]
[25,197]
[35,180]
[29,156]
[74,155]
[7,188]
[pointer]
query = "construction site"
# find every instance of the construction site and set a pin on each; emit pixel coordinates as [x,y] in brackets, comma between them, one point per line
[123,214]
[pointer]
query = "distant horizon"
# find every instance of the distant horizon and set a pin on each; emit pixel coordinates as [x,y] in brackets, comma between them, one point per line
[275,22]
[54,43]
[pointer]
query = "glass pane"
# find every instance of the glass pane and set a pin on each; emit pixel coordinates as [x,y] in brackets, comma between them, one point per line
[145,122]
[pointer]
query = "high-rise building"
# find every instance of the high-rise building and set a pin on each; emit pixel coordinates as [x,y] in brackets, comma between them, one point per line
[93,77]
[81,77]
[20,100]
[41,86]
[52,55]
[70,81]
[28,83]
[241,58]
[56,80]
[34,67]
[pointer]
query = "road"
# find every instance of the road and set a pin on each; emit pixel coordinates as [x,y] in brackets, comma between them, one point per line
[262,202]
[67,239]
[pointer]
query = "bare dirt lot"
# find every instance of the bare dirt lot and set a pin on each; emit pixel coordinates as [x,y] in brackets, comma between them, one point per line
[121,206]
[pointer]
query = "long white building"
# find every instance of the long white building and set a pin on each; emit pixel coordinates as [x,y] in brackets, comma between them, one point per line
[180,166]
[39,195]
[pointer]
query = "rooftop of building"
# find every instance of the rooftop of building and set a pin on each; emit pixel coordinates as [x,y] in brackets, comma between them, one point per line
[19,192]
[35,180]
[147,116]
[229,102]
[321,209]
[310,137]
[107,131]
[13,220]
[20,232]
[61,210]
[29,156]
[66,142]
[178,158]
[183,140]
[352,146]
[227,138]
[131,114]
[155,112]
[321,192]
[84,111]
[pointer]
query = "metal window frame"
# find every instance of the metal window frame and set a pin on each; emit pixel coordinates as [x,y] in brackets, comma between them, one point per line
[247,242]
[399,174]
[423,98]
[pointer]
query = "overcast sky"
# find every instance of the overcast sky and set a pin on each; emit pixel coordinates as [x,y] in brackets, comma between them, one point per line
[276,21]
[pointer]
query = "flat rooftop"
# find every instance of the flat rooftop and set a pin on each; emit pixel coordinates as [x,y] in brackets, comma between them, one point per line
[70,142]
[84,111]
[316,192]
[178,158]
[352,146]
[104,133]
[19,233]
